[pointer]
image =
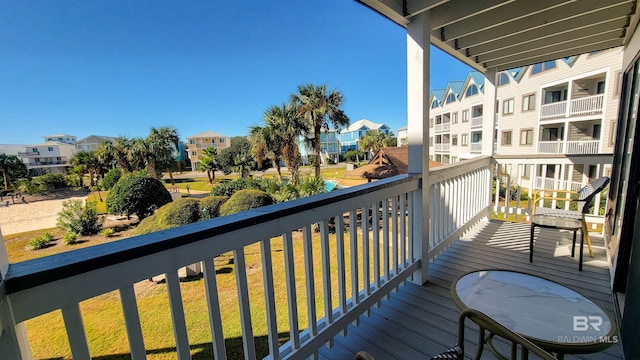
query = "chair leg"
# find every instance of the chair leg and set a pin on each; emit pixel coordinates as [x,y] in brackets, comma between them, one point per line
[581,250]
[573,247]
[531,244]
[585,232]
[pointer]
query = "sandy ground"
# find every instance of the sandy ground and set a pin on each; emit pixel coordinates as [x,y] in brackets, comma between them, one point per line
[17,218]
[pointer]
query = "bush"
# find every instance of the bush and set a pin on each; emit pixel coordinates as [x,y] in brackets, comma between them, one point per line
[72,180]
[354,155]
[181,212]
[137,194]
[245,200]
[230,188]
[111,178]
[149,225]
[79,219]
[210,206]
[48,182]
[38,243]
[47,236]
[108,232]
[70,238]
[311,186]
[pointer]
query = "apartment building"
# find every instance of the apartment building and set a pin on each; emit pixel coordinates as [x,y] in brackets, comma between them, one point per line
[556,120]
[350,137]
[198,142]
[92,142]
[64,138]
[329,146]
[48,157]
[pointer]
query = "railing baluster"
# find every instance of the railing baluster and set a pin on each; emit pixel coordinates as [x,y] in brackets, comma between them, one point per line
[412,256]
[366,280]
[132,322]
[326,278]
[309,277]
[394,233]
[375,224]
[215,322]
[403,230]
[75,332]
[269,298]
[243,301]
[342,278]
[353,236]
[385,241]
[177,315]
[291,289]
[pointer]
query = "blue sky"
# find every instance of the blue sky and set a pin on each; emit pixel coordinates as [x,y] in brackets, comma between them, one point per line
[120,67]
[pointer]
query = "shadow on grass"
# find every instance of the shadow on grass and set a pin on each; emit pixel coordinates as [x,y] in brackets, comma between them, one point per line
[203,351]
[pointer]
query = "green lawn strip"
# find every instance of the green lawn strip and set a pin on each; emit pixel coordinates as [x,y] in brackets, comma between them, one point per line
[105,324]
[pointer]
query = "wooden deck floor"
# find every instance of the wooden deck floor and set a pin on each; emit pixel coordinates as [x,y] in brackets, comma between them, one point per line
[418,322]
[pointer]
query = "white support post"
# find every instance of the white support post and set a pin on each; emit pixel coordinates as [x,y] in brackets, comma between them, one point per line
[489,111]
[13,337]
[418,53]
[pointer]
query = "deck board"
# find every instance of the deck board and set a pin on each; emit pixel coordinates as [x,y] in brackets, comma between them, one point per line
[418,322]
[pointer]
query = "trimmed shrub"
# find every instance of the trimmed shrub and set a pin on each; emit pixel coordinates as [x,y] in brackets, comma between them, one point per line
[230,188]
[210,206]
[108,232]
[111,178]
[78,218]
[149,225]
[137,194]
[70,238]
[181,212]
[38,243]
[50,181]
[354,155]
[244,200]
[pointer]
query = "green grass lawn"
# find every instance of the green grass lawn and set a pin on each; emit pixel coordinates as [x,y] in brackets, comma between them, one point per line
[104,321]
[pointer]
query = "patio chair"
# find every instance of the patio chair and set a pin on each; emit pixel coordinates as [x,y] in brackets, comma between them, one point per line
[566,219]
[485,324]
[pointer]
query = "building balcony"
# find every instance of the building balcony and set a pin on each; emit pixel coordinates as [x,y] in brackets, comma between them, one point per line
[551,183]
[589,105]
[476,122]
[475,148]
[47,163]
[569,147]
[550,147]
[443,127]
[29,153]
[349,285]
[442,147]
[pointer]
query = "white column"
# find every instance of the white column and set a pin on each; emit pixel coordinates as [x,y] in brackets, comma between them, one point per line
[13,337]
[489,111]
[418,42]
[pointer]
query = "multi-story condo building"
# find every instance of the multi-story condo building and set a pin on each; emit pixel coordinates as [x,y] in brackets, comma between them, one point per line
[92,142]
[48,157]
[403,136]
[198,142]
[564,110]
[350,137]
[64,138]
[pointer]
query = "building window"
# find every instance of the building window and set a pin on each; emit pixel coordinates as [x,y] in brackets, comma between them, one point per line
[451,98]
[526,137]
[506,138]
[507,106]
[434,104]
[503,79]
[600,87]
[454,140]
[465,116]
[213,140]
[529,102]
[221,141]
[49,148]
[477,111]
[464,139]
[194,153]
[191,141]
[454,117]
[526,171]
[34,149]
[471,90]
[540,67]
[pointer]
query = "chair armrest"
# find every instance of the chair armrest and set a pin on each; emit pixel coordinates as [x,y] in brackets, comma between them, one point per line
[536,196]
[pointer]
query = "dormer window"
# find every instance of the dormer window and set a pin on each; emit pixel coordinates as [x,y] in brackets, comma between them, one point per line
[503,79]
[540,67]
[471,90]
[451,98]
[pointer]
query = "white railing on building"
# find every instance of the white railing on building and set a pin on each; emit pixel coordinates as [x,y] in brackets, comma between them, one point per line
[587,105]
[556,184]
[476,121]
[550,147]
[553,110]
[476,147]
[442,147]
[443,127]
[382,230]
[583,147]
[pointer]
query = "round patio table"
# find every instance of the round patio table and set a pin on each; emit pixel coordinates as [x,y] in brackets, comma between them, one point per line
[550,315]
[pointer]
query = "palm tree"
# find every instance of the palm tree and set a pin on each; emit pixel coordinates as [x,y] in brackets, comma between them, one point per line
[162,143]
[139,156]
[209,163]
[319,109]
[287,128]
[375,140]
[243,163]
[88,161]
[12,167]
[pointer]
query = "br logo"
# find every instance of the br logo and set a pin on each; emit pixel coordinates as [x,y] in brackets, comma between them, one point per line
[583,323]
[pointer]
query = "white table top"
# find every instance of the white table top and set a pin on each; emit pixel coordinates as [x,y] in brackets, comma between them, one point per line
[534,307]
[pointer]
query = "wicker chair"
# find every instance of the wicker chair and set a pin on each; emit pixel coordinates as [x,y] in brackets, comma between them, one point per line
[567,219]
[485,324]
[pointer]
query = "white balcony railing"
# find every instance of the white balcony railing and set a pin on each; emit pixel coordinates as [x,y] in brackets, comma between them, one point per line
[443,127]
[443,147]
[551,183]
[553,110]
[383,244]
[550,147]
[587,105]
[583,147]
[476,121]
[476,148]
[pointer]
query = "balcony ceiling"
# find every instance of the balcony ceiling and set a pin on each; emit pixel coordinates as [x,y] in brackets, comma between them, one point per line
[505,34]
